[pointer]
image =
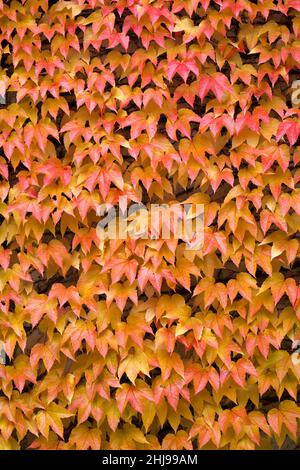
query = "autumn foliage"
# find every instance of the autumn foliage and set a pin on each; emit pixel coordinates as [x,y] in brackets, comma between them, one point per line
[140,343]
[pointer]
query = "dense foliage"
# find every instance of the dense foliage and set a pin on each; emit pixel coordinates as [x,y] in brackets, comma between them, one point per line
[139,343]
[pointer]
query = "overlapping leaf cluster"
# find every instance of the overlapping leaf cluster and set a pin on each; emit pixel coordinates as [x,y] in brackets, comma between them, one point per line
[137,343]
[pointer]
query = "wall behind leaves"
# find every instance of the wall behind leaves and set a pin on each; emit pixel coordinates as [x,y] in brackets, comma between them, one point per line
[137,343]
